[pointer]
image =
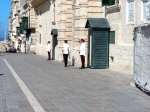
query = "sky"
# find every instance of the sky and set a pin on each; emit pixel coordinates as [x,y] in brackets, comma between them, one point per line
[5,6]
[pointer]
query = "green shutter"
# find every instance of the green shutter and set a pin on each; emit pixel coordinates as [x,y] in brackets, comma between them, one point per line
[112,37]
[100,49]
[18,31]
[25,22]
[21,29]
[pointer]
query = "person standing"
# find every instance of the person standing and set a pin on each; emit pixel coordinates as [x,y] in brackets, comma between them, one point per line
[18,48]
[82,53]
[49,50]
[66,52]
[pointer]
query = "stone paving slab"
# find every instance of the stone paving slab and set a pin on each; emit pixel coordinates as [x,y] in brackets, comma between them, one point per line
[12,97]
[67,89]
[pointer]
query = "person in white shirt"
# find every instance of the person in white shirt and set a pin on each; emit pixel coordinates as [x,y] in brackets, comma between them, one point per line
[66,52]
[49,50]
[82,53]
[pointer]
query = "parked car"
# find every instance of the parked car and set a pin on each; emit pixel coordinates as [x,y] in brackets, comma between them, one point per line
[12,50]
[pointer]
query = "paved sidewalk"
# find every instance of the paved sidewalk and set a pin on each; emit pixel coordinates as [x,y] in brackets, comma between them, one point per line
[67,89]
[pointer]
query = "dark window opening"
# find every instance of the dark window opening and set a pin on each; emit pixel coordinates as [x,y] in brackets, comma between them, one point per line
[108,2]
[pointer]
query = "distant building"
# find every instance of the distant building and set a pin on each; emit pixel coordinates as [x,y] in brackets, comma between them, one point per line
[21,26]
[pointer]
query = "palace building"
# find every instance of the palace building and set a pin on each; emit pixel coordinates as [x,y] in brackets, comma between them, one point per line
[106,25]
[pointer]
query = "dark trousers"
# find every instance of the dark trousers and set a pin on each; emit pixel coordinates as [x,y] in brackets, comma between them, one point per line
[49,55]
[82,61]
[65,59]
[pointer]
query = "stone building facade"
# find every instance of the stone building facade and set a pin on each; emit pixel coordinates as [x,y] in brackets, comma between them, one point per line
[123,23]
[13,21]
[20,36]
[59,20]
[44,18]
[70,17]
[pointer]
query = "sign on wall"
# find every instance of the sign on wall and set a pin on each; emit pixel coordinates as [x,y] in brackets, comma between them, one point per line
[147,11]
[131,11]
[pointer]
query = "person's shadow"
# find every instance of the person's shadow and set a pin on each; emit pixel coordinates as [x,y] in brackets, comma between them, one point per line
[2,74]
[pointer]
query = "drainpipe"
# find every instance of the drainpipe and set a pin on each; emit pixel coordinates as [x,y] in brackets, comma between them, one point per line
[73,31]
[73,22]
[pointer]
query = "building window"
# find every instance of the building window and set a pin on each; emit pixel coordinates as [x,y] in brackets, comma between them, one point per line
[112,37]
[145,11]
[130,12]
[108,2]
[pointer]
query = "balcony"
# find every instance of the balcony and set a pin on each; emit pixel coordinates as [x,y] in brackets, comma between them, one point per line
[113,8]
[37,3]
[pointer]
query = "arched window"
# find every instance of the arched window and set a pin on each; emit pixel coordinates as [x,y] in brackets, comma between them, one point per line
[108,2]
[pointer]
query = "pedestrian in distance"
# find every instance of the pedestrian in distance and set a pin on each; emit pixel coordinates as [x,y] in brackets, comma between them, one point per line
[49,50]
[66,52]
[18,49]
[82,53]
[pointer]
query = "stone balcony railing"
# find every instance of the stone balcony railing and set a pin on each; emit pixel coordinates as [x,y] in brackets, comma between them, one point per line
[37,3]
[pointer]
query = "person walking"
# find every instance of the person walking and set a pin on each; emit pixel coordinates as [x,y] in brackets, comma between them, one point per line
[49,50]
[82,53]
[66,52]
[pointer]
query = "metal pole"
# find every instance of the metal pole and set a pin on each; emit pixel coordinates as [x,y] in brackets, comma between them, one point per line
[25,46]
[25,42]
[5,32]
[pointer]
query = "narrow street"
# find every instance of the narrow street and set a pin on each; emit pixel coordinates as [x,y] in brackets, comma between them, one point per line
[30,83]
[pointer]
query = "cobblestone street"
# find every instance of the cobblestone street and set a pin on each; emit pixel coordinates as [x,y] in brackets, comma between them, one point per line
[65,89]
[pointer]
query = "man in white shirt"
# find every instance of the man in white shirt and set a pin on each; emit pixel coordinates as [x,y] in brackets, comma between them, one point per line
[82,53]
[49,50]
[66,52]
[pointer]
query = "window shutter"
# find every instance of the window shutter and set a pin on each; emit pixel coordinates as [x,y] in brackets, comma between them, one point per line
[25,22]
[18,31]
[21,29]
[100,49]
[112,37]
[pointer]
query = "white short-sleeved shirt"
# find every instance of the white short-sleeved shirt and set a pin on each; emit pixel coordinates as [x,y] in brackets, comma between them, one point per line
[49,47]
[82,49]
[65,48]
